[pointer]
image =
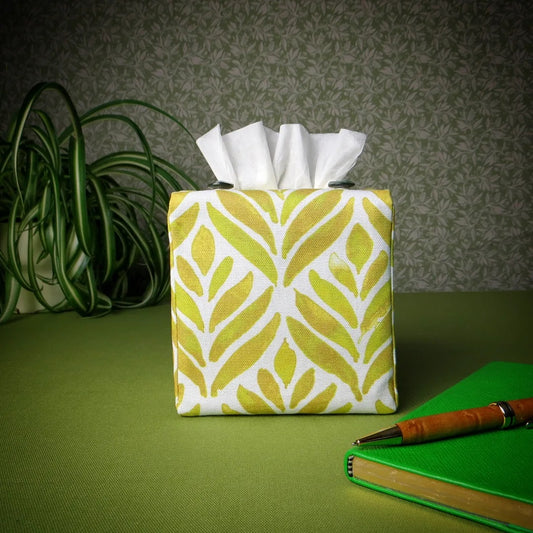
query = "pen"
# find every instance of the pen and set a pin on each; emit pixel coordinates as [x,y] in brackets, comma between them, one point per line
[497,415]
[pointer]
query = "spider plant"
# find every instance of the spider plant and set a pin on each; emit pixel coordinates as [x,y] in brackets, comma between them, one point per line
[101,224]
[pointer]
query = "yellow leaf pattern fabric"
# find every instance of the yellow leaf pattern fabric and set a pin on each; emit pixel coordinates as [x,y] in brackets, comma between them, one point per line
[324,355]
[245,356]
[324,323]
[291,202]
[186,305]
[285,363]
[240,325]
[282,301]
[188,341]
[270,388]
[246,213]
[342,272]
[244,244]
[264,201]
[231,300]
[319,241]
[303,387]
[189,278]
[333,297]
[320,403]
[319,207]
[220,276]
[203,249]
[374,274]
[253,403]
[359,246]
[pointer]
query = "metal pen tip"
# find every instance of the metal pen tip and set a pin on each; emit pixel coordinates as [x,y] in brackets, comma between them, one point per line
[385,437]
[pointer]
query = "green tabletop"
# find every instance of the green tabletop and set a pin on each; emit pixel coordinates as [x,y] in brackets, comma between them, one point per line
[90,440]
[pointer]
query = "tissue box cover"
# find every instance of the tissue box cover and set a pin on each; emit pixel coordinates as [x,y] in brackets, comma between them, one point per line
[282,301]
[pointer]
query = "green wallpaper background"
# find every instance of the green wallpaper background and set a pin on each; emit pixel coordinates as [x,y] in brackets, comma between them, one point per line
[441,88]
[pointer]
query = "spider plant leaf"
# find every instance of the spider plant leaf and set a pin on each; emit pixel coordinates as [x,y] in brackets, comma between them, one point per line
[79,194]
[76,152]
[142,138]
[32,174]
[163,166]
[15,135]
[137,177]
[98,232]
[133,102]
[155,250]
[48,138]
[45,216]
[106,224]
[137,160]
[98,302]
[8,304]
[72,293]
[30,267]
[35,281]
[138,240]
[14,231]
[77,259]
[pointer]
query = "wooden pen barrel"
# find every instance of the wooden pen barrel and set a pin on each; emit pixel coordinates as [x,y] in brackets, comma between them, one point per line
[462,422]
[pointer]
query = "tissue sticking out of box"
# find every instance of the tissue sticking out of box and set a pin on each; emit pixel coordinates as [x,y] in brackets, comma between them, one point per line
[256,157]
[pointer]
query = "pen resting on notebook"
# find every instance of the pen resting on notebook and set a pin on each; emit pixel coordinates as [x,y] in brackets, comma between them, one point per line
[497,415]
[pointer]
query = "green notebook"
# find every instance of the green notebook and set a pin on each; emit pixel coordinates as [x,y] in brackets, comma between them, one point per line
[486,477]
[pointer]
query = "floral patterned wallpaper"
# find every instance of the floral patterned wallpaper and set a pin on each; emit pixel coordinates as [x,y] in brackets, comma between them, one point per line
[442,88]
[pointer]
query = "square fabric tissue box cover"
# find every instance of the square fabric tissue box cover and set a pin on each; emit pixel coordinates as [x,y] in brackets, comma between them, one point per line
[282,301]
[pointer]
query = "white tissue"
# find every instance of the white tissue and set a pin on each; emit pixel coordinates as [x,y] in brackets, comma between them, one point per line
[256,157]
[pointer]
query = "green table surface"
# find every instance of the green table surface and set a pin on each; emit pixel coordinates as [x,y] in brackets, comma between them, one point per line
[90,440]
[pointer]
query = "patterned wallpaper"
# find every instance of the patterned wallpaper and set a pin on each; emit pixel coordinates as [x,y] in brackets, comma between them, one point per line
[442,88]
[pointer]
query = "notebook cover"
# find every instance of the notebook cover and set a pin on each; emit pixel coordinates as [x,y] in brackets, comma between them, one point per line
[497,462]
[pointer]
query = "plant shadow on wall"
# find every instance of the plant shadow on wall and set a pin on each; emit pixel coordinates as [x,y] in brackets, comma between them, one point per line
[100,227]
